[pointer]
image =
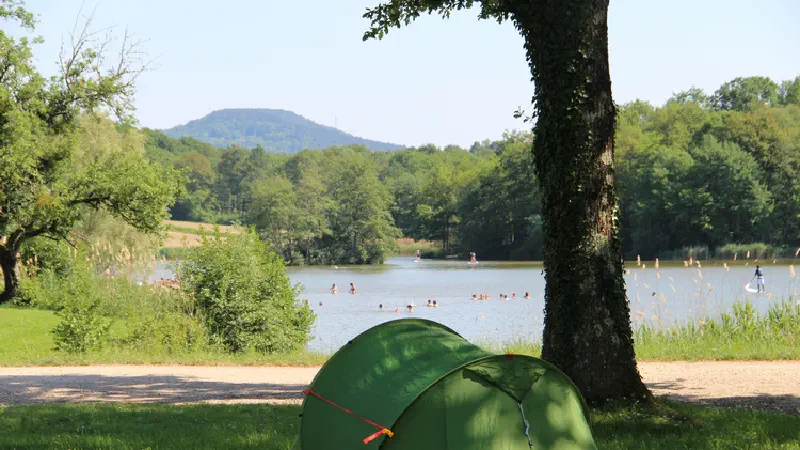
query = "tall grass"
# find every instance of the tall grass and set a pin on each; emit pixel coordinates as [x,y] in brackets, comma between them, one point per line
[408,247]
[756,250]
[682,254]
[172,254]
[741,334]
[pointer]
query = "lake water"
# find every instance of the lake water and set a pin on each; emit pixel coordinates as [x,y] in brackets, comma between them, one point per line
[681,294]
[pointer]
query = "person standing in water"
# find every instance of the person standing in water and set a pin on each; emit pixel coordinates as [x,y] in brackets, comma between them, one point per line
[352,288]
[334,289]
[418,256]
[759,276]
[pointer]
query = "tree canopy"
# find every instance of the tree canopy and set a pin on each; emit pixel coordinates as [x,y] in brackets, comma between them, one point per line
[689,175]
[57,157]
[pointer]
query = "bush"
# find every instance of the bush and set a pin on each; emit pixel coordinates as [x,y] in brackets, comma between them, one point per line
[82,328]
[172,332]
[40,254]
[241,290]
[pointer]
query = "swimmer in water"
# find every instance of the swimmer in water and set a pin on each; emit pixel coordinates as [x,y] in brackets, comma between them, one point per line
[352,288]
[320,303]
[474,296]
[334,289]
[435,305]
[410,308]
[527,296]
[430,304]
[513,295]
[380,307]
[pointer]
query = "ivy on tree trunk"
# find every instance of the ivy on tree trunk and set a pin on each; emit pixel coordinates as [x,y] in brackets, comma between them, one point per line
[8,265]
[587,332]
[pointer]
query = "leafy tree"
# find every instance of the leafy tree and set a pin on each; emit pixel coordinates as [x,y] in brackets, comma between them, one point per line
[587,319]
[501,214]
[53,162]
[274,211]
[48,190]
[312,221]
[790,92]
[241,291]
[201,178]
[234,166]
[362,229]
[693,95]
[746,94]
[737,201]
[438,208]
[772,137]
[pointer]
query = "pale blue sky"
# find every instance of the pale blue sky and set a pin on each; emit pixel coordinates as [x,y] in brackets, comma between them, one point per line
[453,81]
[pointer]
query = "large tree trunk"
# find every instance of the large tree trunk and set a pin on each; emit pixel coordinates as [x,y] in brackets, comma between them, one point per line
[8,264]
[587,328]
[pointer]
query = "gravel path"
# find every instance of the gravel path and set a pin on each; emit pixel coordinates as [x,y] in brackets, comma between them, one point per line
[771,386]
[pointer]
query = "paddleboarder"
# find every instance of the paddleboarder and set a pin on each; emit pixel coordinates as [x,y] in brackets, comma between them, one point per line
[759,276]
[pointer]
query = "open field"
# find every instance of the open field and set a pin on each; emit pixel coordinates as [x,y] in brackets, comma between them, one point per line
[182,234]
[276,427]
[407,246]
[199,227]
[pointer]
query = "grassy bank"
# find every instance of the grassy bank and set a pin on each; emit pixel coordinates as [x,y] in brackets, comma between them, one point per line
[137,426]
[408,247]
[27,341]
[740,335]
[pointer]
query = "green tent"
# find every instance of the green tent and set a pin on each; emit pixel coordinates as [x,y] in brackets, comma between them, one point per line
[418,385]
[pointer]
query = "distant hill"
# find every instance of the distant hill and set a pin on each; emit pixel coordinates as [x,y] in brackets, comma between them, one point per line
[276,130]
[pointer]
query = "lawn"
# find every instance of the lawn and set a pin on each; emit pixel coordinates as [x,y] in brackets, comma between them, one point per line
[270,427]
[28,342]
[26,338]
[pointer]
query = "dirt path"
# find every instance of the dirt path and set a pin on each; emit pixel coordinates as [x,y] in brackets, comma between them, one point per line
[771,386]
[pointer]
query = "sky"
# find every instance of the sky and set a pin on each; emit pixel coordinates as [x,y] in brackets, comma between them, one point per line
[453,81]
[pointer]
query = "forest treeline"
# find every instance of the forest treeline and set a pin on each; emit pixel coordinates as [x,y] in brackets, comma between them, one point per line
[702,170]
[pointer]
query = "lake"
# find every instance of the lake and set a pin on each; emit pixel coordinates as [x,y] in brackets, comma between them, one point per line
[672,294]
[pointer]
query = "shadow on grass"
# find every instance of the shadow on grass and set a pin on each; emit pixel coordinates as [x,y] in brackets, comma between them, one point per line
[681,426]
[137,426]
[37,389]
[757,401]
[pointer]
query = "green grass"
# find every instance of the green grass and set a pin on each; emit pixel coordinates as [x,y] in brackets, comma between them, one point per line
[26,338]
[196,231]
[406,248]
[173,253]
[741,335]
[271,427]
[129,427]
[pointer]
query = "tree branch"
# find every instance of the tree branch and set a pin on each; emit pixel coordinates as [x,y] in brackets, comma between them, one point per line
[396,13]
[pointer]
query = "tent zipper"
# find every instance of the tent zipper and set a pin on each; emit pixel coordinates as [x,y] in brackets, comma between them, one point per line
[527,425]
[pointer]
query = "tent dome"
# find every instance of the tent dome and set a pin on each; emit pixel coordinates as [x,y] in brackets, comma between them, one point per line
[416,384]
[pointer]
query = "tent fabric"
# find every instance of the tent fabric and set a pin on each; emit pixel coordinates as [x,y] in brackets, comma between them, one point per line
[434,390]
[376,376]
[467,411]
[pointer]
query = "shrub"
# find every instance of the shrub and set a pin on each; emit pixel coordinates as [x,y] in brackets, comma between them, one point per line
[82,328]
[241,290]
[173,332]
[46,254]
